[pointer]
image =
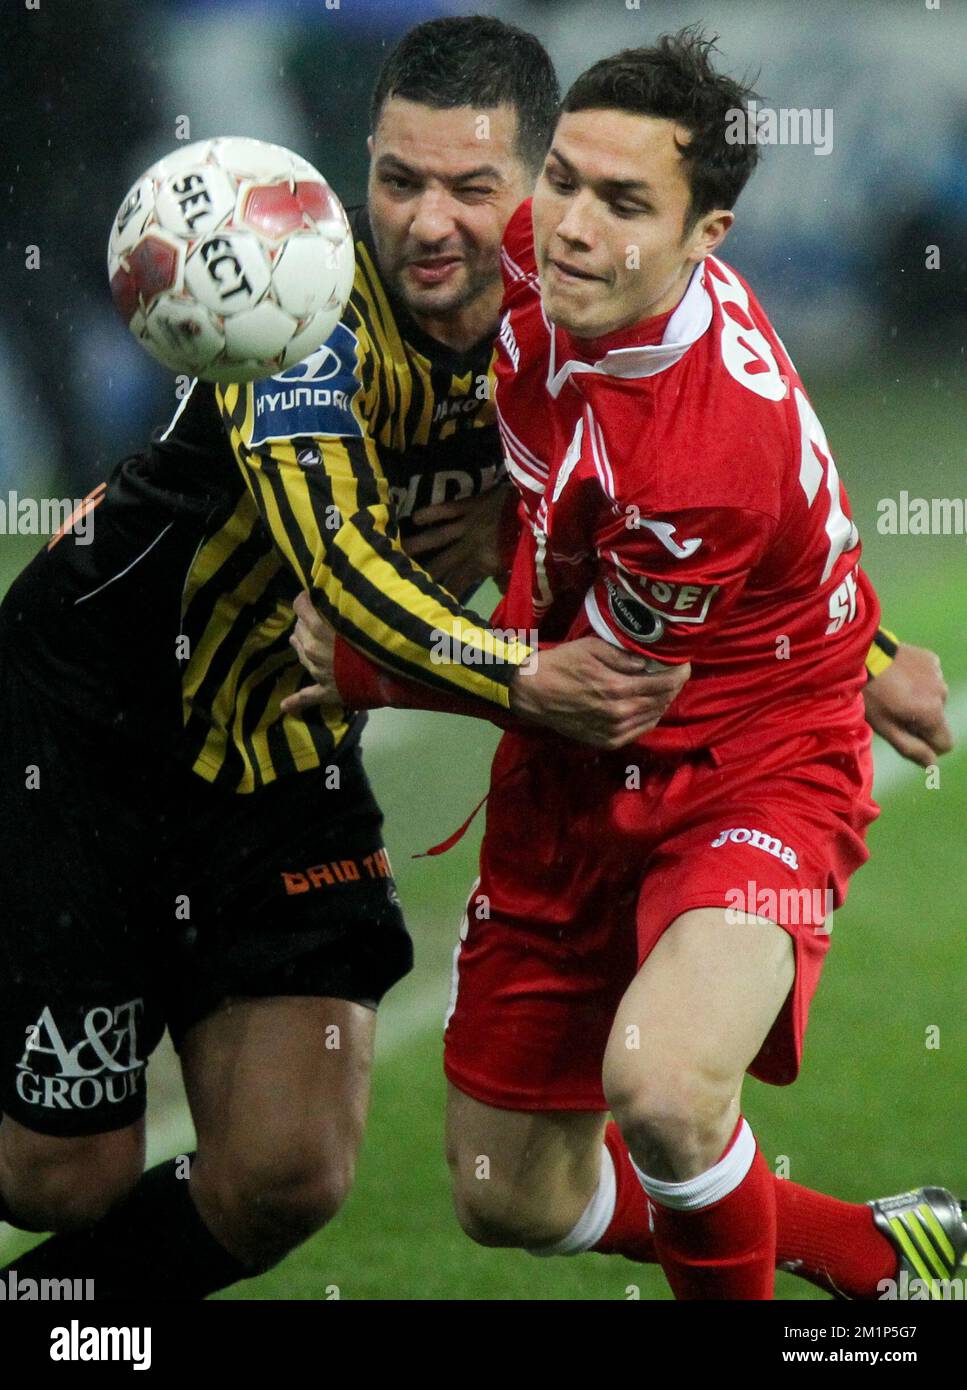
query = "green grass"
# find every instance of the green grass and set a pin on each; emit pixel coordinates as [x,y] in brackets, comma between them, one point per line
[874,1111]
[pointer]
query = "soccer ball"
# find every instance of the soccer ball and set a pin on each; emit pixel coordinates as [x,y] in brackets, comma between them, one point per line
[231,259]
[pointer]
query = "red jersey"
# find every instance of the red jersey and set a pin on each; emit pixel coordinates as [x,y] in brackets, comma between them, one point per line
[678,498]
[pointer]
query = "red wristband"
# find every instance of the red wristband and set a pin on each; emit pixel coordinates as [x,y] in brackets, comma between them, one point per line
[364,685]
[360,682]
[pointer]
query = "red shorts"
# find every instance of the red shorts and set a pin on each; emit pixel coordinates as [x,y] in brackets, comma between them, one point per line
[581,873]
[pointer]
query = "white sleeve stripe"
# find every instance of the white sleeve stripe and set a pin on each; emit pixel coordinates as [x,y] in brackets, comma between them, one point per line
[522,459]
[517,272]
[520,447]
[597,621]
[181,405]
[601,464]
[524,479]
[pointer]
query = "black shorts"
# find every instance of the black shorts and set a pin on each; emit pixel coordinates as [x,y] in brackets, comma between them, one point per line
[134,895]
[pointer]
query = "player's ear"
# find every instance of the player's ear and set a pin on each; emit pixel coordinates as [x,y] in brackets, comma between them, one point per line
[709,233]
[369,145]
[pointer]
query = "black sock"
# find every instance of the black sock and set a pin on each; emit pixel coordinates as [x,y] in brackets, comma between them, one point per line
[153,1245]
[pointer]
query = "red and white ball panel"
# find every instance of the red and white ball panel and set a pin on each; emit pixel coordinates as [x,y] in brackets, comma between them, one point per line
[231,259]
[152,266]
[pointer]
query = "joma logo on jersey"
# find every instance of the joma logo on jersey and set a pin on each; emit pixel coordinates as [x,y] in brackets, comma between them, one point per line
[664,531]
[103,1066]
[758,839]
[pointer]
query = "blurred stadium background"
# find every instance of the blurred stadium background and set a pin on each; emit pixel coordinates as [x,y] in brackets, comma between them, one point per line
[836,248]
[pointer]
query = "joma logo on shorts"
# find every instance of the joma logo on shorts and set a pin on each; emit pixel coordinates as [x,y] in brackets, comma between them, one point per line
[758,839]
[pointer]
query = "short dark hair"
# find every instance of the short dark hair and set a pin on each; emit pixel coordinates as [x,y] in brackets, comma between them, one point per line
[475,61]
[676,80]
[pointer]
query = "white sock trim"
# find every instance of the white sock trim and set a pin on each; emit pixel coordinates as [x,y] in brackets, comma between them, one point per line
[596,1218]
[711,1186]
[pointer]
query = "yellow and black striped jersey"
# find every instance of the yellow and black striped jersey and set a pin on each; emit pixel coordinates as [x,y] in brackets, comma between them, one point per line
[336,455]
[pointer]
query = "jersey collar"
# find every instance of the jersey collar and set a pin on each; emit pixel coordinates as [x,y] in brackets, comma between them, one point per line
[685,326]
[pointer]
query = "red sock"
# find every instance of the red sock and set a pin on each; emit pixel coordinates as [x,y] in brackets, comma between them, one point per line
[724,1248]
[629,1233]
[832,1244]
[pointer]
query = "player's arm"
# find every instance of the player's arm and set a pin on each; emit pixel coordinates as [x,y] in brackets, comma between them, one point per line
[905,696]
[665,585]
[587,690]
[326,503]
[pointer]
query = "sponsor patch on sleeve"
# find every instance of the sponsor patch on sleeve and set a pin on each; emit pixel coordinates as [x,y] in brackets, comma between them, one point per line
[315,397]
[632,616]
[678,603]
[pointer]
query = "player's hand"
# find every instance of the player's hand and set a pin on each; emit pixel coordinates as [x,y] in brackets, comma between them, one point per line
[313,639]
[457,544]
[905,704]
[594,692]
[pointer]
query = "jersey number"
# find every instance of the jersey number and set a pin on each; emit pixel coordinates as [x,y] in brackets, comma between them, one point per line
[840,531]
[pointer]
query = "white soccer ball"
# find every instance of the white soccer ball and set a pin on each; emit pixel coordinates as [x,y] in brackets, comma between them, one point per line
[231,259]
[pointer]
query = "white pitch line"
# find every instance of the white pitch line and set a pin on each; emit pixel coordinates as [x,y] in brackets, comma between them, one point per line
[410,1015]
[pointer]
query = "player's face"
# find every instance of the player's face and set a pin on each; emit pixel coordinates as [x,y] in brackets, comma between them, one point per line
[442,186]
[609,213]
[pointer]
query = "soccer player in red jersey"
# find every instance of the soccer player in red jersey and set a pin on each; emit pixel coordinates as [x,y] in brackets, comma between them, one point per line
[650,924]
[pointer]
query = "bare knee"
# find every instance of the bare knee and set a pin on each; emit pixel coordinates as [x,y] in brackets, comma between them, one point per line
[497,1216]
[497,1206]
[675,1119]
[261,1206]
[55,1184]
